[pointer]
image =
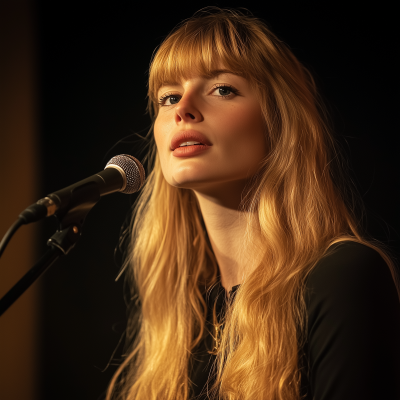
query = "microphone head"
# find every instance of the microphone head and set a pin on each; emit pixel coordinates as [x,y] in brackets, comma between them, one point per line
[132,169]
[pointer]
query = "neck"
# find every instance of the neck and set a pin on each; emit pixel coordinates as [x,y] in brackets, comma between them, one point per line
[226,228]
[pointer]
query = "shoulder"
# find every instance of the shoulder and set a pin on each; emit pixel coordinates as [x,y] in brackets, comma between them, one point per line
[350,294]
[350,270]
[353,325]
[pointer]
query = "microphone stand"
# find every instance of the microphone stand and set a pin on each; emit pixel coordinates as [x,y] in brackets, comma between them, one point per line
[71,222]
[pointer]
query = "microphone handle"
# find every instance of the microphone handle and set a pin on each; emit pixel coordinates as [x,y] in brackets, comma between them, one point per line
[105,182]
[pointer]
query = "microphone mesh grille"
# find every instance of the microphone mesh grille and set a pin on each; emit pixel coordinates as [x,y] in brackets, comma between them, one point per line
[134,172]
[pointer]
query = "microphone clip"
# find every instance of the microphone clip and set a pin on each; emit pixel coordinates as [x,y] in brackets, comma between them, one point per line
[71,218]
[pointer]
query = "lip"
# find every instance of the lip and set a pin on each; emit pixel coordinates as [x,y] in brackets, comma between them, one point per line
[189,136]
[189,151]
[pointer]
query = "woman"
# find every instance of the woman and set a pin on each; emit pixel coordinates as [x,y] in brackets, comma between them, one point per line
[250,273]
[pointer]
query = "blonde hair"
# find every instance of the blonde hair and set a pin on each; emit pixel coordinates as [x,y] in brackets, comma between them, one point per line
[293,199]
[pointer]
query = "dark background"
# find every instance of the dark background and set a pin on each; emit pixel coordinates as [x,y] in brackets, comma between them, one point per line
[93,59]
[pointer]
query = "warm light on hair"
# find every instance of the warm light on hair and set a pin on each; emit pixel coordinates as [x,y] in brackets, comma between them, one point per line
[293,200]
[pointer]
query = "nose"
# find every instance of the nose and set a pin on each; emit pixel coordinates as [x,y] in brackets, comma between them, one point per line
[186,111]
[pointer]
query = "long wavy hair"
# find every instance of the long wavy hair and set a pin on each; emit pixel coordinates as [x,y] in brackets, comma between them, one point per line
[296,200]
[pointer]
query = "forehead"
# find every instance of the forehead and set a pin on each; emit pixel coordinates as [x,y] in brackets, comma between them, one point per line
[173,65]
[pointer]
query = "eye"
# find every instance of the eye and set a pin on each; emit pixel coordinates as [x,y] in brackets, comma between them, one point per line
[169,99]
[224,91]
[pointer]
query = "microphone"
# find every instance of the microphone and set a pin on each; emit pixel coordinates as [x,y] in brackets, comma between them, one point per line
[122,173]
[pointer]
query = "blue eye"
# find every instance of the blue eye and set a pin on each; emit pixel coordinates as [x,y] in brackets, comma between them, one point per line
[169,100]
[173,99]
[224,91]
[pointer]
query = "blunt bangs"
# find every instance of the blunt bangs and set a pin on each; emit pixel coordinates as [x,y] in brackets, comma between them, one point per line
[201,48]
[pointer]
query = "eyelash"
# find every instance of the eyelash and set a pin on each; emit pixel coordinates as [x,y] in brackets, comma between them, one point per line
[164,97]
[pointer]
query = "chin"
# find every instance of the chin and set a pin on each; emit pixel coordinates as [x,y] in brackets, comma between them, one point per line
[185,177]
[187,183]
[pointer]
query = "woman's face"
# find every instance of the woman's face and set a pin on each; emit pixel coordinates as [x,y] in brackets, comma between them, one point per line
[222,113]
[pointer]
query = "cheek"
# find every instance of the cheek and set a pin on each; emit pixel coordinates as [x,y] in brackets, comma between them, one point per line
[245,132]
[162,128]
[158,133]
[161,143]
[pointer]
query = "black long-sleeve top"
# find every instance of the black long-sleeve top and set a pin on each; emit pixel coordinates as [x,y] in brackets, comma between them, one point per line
[353,335]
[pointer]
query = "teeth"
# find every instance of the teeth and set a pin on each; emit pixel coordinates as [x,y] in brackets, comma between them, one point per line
[188,144]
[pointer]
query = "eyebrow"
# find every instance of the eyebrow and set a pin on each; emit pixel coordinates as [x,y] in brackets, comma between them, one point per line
[212,74]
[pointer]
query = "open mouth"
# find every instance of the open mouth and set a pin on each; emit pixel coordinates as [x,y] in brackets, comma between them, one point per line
[189,138]
[184,144]
[188,149]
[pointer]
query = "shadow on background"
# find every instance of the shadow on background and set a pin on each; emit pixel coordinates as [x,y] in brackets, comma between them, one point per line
[91,70]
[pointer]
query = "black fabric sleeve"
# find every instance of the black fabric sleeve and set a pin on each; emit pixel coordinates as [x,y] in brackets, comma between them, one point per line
[353,345]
